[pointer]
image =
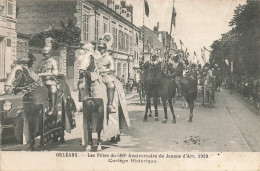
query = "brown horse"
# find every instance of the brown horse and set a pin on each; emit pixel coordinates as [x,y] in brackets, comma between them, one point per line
[35,104]
[158,84]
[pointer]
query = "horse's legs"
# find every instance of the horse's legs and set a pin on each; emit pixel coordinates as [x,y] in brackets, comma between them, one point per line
[100,125]
[31,132]
[203,96]
[87,111]
[165,110]
[155,104]
[171,107]
[148,105]
[191,106]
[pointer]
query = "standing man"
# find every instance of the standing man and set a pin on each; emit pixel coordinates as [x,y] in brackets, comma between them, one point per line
[106,68]
[48,69]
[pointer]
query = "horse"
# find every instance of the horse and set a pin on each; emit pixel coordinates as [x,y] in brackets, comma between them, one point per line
[95,115]
[158,84]
[35,104]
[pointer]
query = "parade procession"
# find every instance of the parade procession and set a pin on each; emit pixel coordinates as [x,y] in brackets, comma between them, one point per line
[99,75]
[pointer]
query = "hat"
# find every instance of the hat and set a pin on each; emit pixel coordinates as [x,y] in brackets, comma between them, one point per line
[101,44]
[26,59]
[176,56]
[47,49]
[206,65]
[31,57]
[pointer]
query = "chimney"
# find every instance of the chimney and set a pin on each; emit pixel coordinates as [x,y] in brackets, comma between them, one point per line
[129,8]
[129,16]
[111,4]
[123,12]
[118,9]
[122,3]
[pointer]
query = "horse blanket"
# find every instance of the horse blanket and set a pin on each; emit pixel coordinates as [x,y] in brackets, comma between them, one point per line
[50,125]
[113,122]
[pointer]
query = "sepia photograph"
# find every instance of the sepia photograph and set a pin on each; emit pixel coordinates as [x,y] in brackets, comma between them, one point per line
[130,83]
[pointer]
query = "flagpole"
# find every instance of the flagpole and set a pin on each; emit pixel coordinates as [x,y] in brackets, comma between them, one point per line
[143,33]
[171,26]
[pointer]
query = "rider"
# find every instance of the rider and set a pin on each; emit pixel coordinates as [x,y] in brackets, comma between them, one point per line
[49,69]
[177,72]
[106,68]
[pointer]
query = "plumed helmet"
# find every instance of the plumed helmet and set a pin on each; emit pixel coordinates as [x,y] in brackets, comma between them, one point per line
[101,44]
[47,49]
[108,39]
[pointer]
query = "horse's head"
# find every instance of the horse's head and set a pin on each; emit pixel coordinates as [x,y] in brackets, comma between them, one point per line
[17,78]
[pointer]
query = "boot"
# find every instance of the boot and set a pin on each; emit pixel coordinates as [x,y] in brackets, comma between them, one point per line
[110,107]
[53,103]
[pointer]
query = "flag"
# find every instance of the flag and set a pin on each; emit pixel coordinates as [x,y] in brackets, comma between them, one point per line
[181,43]
[195,53]
[160,38]
[203,55]
[173,16]
[205,48]
[226,61]
[146,7]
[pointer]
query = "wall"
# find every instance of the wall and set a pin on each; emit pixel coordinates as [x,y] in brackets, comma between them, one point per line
[8,38]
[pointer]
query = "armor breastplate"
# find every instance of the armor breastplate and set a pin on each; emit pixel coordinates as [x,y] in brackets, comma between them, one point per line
[47,65]
[103,63]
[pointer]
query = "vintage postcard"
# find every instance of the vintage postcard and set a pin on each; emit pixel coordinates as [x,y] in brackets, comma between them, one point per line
[129,85]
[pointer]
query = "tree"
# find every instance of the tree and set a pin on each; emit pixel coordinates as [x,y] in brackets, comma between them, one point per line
[70,35]
[241,44]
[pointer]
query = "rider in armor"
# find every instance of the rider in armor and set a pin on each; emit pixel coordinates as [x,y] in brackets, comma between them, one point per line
[106,68]
[176,72]
[48,68]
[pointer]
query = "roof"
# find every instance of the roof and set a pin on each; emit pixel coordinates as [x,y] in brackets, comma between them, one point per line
[113,13]
[35,16]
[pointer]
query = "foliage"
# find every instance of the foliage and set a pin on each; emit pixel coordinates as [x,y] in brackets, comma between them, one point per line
[241,44]
[69,35]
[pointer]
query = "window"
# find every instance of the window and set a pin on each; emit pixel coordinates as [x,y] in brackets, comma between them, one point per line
[10,7]
[105,27]
[2,7]
[85,28]
[123,41]
[120,39]
[96,29]
[131,44]
[118,68]
[9,43]
[126,42]
[124,70]
[114,33]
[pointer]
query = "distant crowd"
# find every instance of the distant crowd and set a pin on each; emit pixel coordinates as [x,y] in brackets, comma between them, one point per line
[246,86]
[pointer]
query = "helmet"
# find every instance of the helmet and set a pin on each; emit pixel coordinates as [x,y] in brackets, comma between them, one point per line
[101,44]
[47,49]
[176,57]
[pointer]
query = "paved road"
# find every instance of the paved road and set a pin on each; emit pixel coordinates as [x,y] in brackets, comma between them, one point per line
[232,125]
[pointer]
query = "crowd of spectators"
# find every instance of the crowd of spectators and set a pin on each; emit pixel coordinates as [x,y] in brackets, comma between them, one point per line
[246,86]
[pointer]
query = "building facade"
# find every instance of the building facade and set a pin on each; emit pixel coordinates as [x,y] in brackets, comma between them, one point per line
[8,36]
[98,17]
